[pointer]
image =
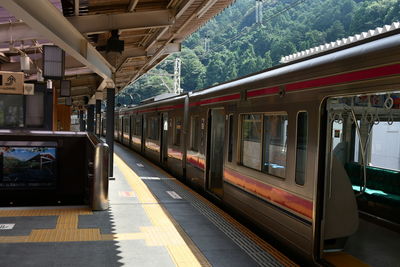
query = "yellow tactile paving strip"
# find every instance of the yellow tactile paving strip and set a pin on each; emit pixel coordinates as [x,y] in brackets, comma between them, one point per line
[256,239]
[66,228]
[164,231]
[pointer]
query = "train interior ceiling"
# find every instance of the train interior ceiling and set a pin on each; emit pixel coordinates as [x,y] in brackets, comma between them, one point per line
[362,177]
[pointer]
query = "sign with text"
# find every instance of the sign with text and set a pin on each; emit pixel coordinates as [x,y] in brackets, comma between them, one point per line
[11,83]
[7,226]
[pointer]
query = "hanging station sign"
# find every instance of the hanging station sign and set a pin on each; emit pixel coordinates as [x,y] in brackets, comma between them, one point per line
[11,82]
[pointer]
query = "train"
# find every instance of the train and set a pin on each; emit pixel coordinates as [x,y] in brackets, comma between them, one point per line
[308,151]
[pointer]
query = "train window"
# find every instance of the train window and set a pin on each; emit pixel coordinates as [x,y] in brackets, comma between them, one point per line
[138,126]
[132,123]
[177,131]
[251,141]
[152,128]
[275,145]
[126,125]
[195,131]
[230,138]
[383,148]
[301,147]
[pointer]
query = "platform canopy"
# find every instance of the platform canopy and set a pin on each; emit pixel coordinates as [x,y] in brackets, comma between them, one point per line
[91,31]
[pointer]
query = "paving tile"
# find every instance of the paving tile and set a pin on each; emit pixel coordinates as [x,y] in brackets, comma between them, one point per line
[127,215]
[24,225]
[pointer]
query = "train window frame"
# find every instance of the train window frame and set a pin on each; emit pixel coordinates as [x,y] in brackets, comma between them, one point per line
[132,128]
[355,155]
[240,136]
[230,137]
[194,134]
[138,130]
[152,123]
[125,124]
[270,114]
[241,139]
[177,139]
[307,141]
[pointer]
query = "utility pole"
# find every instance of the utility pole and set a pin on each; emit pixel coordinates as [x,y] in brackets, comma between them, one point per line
[206,43]
[177,76]
[259,11]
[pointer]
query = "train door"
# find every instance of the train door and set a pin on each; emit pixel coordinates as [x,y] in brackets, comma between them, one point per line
[363,161]
[215,148]
[164,139]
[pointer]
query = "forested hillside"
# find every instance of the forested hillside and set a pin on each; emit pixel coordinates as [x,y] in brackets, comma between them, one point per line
[238,46]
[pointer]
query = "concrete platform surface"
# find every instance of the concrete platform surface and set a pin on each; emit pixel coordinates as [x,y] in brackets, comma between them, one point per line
[153,220]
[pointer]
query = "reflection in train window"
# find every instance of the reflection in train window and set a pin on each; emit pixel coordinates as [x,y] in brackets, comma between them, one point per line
[177,131]
[152,128]
[275,144]
[230,138]
[251,141]
[126,125]
[138,126]
[132,125]
[301,147]
[195,133]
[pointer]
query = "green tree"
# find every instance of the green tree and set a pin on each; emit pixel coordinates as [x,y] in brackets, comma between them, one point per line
[193,71]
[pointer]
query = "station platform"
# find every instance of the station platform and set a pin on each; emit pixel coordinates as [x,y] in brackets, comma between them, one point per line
[153,220]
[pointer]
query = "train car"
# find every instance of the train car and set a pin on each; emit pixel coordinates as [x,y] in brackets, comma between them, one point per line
[156,131]
[309,151]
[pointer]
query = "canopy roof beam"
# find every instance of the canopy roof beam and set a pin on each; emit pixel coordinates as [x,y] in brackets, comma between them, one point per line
[101,23]
[43,17]
[132,5]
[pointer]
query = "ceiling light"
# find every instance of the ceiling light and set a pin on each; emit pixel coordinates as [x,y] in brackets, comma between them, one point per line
[25,62]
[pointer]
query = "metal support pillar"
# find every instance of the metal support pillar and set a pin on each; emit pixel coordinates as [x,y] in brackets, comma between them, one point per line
[98,117]
[81,121]
[90,118]
[110,128]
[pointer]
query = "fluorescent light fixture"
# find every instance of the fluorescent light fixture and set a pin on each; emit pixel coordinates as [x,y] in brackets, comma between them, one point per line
[25,62]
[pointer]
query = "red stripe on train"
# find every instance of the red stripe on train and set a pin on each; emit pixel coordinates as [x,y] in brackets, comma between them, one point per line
[332,80]
[161,108]
[273,194]
[265,91]
[217,99]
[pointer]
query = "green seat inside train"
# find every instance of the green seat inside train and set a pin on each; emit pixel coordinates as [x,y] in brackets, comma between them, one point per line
[383,186]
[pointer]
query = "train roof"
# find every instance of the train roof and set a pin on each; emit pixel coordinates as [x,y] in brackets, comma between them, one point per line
[364,45]
[341,42]
[390,39]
